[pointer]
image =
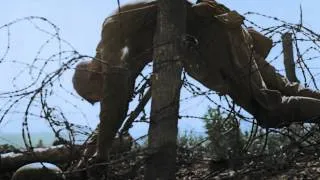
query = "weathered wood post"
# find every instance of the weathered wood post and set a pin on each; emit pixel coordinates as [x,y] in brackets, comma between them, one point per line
[166,85]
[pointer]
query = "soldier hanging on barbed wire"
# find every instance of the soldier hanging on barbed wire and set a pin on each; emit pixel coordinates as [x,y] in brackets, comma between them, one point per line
[218,52]
[235,57]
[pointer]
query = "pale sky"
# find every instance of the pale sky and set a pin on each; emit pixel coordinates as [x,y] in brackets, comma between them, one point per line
[80,24]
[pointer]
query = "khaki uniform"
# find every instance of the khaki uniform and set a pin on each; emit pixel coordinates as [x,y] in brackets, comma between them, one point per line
[242,72]
[228,59]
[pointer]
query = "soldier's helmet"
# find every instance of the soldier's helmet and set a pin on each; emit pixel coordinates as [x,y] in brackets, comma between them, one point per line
[87,81]
[38,171]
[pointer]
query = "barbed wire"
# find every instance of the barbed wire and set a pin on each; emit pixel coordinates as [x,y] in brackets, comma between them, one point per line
[34,96]
[33,99]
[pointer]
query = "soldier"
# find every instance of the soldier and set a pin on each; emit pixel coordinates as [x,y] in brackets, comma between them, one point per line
[227,58]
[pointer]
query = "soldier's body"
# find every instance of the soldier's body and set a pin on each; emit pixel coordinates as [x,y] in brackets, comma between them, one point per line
[228,59]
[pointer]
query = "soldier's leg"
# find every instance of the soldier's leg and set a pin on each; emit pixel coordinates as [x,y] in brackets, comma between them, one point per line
[274,80]
[248,89]
[290,109]
[301,109]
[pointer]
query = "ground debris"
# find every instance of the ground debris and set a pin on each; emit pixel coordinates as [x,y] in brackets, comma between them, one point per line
[195,164]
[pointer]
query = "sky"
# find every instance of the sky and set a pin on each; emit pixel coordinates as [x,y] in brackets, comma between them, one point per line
[80,24]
